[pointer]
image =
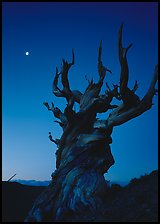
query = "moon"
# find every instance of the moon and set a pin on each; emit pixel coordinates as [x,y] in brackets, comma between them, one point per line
[27,53]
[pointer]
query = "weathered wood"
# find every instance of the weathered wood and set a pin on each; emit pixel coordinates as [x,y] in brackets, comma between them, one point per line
[83,152]
[66,92]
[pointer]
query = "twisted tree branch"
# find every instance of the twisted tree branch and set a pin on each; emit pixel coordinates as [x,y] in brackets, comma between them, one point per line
[56,91]
[66,92]
[91,101]
[122,52]
[117,118]
[56,141]
[57,113]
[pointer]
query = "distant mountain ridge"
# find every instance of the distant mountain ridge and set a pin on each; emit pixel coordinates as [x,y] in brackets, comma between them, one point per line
[33,182]
[47,182]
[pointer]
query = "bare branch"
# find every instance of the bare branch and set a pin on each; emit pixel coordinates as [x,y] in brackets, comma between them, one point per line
[130,99]
[90,101]
[56,141]
[60,123]
[57,113]
[117,117]
[73,58]
[152,91]
[98,103]
[56,91]
[135,87]
[65,68]
[47,105]
[64,76]
[113,93]
[108,87]
[66,92]
[101,69]
[123,62]
[69,112]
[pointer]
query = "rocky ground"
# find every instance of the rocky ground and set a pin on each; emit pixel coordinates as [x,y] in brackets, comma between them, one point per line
[137,202]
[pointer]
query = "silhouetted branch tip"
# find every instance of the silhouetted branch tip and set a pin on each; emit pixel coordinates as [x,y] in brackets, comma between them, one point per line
[56,141]
[135,87]
[60,123]
[47,105]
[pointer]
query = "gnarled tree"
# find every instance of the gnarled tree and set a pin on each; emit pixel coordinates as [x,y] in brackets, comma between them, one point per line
[83,152]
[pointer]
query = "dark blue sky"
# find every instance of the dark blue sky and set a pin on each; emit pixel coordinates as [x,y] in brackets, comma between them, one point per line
[49,31]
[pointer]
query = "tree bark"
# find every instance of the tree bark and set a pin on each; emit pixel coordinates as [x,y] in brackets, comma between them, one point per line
[77,184]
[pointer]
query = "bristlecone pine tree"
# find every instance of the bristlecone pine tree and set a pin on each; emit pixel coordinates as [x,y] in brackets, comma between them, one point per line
[83,152]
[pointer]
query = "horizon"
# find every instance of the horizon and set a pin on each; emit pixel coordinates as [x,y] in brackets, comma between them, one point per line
[49,31]
[43,182]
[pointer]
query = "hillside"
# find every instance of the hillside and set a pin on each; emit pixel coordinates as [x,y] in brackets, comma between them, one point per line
[137,202]
[17,199]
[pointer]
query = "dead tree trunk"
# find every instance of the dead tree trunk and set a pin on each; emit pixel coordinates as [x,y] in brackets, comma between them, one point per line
[83,152]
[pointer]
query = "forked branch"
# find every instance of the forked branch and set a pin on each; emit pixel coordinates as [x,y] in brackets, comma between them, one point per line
[101,69]
[122,52]
[57,113]
[66,91]
[64,75]
[117,118]
[91,101]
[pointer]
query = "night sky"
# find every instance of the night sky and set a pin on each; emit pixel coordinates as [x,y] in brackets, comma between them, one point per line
[49,31]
